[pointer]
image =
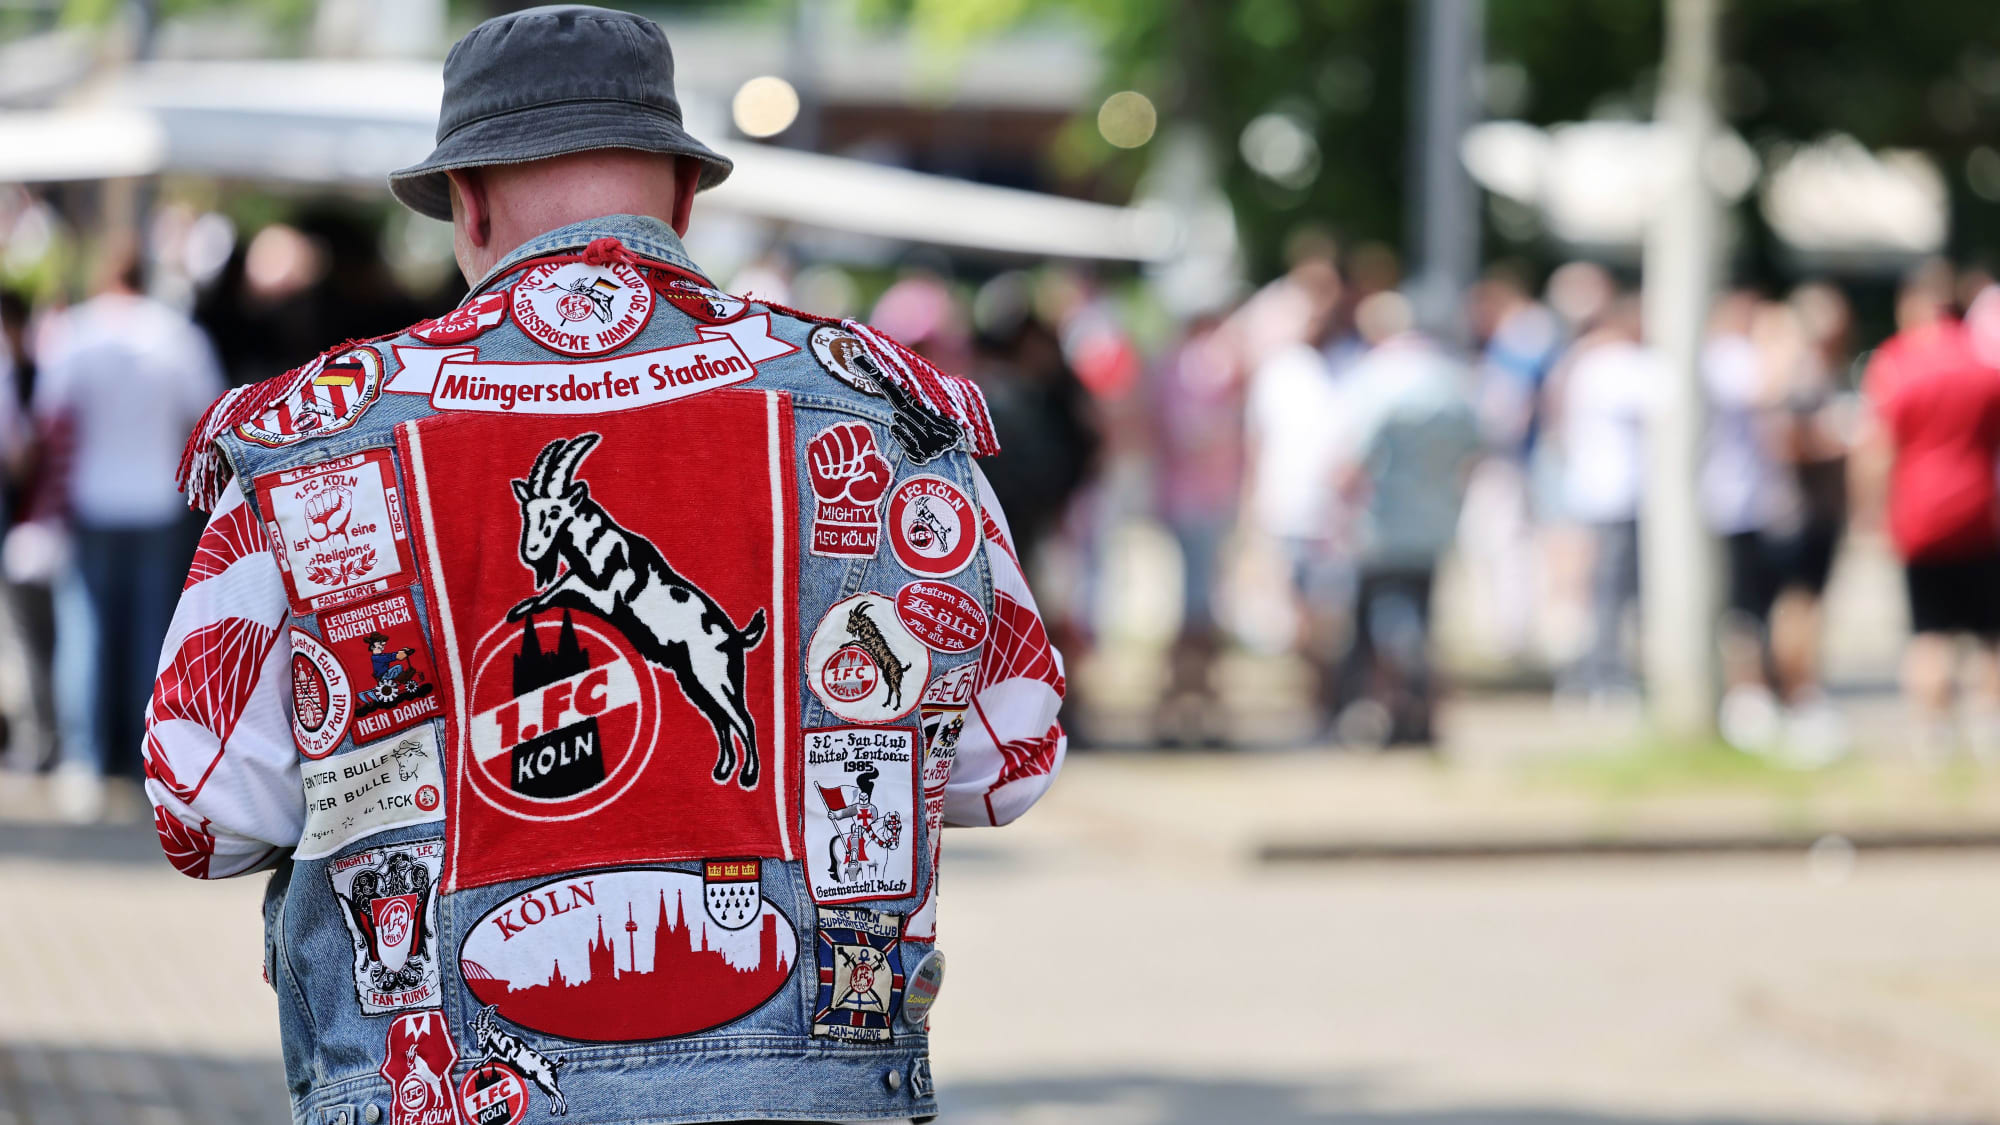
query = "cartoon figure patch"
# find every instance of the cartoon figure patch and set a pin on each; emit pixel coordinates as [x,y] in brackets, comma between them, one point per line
[338,526]
[862,783]
[331,398]
[863,664]
[417,1061]
[385,660]
[622,956]
[600,638]
[860,975]
[388,898]
[580,309]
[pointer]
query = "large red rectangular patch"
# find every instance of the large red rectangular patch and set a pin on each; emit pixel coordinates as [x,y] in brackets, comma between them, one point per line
[611,596]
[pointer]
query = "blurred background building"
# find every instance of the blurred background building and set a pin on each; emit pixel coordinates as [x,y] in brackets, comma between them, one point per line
[1596,396]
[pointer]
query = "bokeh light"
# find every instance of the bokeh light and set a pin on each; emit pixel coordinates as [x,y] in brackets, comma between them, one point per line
[1127,119]
[765,106]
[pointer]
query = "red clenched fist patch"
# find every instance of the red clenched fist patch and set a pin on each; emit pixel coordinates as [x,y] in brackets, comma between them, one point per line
[849,476]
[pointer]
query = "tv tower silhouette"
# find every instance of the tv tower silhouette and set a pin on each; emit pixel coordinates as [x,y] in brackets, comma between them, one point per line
[631,943]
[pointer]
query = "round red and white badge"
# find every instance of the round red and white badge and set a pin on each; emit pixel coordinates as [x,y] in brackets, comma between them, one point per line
[564,717]
[465,321]
[580,309]
[933,526]
[864,664]
[493,1093]
[712,305]
[941,615]
[322,698]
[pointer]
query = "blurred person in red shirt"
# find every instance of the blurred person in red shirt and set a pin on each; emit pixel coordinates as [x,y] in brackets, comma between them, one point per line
[1936,407]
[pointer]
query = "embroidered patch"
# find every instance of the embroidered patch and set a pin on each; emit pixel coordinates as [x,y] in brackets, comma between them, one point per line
[332,397]
[862,664]
[388,899]
[566,958]
[943,711]
[941,615]
[492,1093]
[611,658]
[339,529]
[734,891]
[322,699]
[504,1048]
[371,789]
[933,526]
[384,657]
[417,1061]
[580,309]
[849,476]
[860,975]
[861,787]
[846,358]
[465,321]
[712,305]
[922,991]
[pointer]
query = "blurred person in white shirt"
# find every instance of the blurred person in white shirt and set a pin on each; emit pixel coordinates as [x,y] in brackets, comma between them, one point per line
[125,379]
[1609,385]
[1293,450]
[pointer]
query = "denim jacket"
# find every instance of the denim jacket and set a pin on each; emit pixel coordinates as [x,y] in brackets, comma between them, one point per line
[595,667]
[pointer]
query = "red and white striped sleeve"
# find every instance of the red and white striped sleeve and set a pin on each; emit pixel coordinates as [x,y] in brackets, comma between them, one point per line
[221,769]
[1013,744]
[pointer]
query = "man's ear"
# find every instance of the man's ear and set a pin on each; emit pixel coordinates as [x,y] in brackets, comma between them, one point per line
[468,204]
[687,177]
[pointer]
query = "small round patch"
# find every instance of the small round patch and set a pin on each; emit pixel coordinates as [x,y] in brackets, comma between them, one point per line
[322,699]
[334,395]
[941,615]
[922,990]
[846,358]
[863,664]
[465,321]
[580,309]
[712,305]
[933,526]
[492,1093]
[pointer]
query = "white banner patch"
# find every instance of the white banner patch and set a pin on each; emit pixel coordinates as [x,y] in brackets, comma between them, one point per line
[384,785]
[860,812]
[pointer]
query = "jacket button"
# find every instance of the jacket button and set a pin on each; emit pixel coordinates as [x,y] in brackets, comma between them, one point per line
[373,1113]
[893,1080]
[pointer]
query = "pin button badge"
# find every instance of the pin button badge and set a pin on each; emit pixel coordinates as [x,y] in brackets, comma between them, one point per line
[922,990]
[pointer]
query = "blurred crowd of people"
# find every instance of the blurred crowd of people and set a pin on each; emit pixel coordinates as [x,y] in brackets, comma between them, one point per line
[1316,457]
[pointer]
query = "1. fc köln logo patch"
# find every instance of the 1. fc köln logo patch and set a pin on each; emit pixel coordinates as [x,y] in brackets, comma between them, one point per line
[333,397]
[624,955]
[388,898]
[611,610]
[417,1062]
[339,529]
[580,309]
[465,321]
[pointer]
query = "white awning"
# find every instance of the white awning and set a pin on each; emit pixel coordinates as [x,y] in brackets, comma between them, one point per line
[350,123]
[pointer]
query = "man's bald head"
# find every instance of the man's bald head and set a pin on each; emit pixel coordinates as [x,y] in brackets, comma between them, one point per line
[496,208]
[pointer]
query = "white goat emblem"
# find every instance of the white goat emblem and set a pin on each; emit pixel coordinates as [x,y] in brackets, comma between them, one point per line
[582,559]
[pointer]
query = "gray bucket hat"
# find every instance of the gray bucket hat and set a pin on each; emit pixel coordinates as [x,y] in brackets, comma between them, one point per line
[547,82]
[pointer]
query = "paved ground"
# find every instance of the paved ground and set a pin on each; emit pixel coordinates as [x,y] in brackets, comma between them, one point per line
[1122,958]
